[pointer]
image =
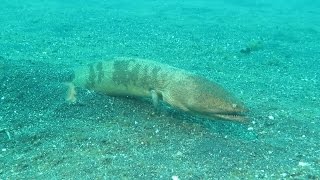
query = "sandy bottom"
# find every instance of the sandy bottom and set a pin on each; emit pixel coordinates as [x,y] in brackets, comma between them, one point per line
[267,54]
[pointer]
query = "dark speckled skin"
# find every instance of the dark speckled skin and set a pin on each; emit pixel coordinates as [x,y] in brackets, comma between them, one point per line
[177,87]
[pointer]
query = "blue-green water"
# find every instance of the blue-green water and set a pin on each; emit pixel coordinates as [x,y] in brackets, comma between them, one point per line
[265,52]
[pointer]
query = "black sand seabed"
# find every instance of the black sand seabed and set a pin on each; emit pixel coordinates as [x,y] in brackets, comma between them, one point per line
[266,53]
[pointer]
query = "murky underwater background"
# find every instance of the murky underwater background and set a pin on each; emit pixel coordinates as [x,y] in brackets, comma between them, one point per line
[265,52]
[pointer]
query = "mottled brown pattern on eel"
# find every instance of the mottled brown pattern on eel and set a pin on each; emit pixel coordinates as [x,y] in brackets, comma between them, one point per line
[145,78]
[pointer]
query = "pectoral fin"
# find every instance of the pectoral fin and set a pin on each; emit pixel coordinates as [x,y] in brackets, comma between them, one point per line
[155,98]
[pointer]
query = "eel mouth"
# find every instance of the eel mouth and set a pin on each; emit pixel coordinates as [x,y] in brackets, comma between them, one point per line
[232,116]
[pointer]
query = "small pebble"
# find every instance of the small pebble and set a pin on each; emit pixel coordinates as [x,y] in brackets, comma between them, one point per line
[179,153]
[175,177]
[271,117]
[303,164]
[284,174]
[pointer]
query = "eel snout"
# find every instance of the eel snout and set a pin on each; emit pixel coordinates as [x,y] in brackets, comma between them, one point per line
[232,116]
[235,112]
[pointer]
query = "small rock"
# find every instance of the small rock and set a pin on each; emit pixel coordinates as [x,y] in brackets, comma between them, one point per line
[303,164]
[271,117]
[284,174]
[175,177]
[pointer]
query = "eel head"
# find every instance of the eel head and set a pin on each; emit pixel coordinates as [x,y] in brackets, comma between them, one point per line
[200,96]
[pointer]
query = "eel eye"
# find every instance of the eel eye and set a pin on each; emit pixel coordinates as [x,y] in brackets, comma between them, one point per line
[234,105]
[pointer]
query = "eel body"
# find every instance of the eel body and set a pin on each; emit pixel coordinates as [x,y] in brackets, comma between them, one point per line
[145,78]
